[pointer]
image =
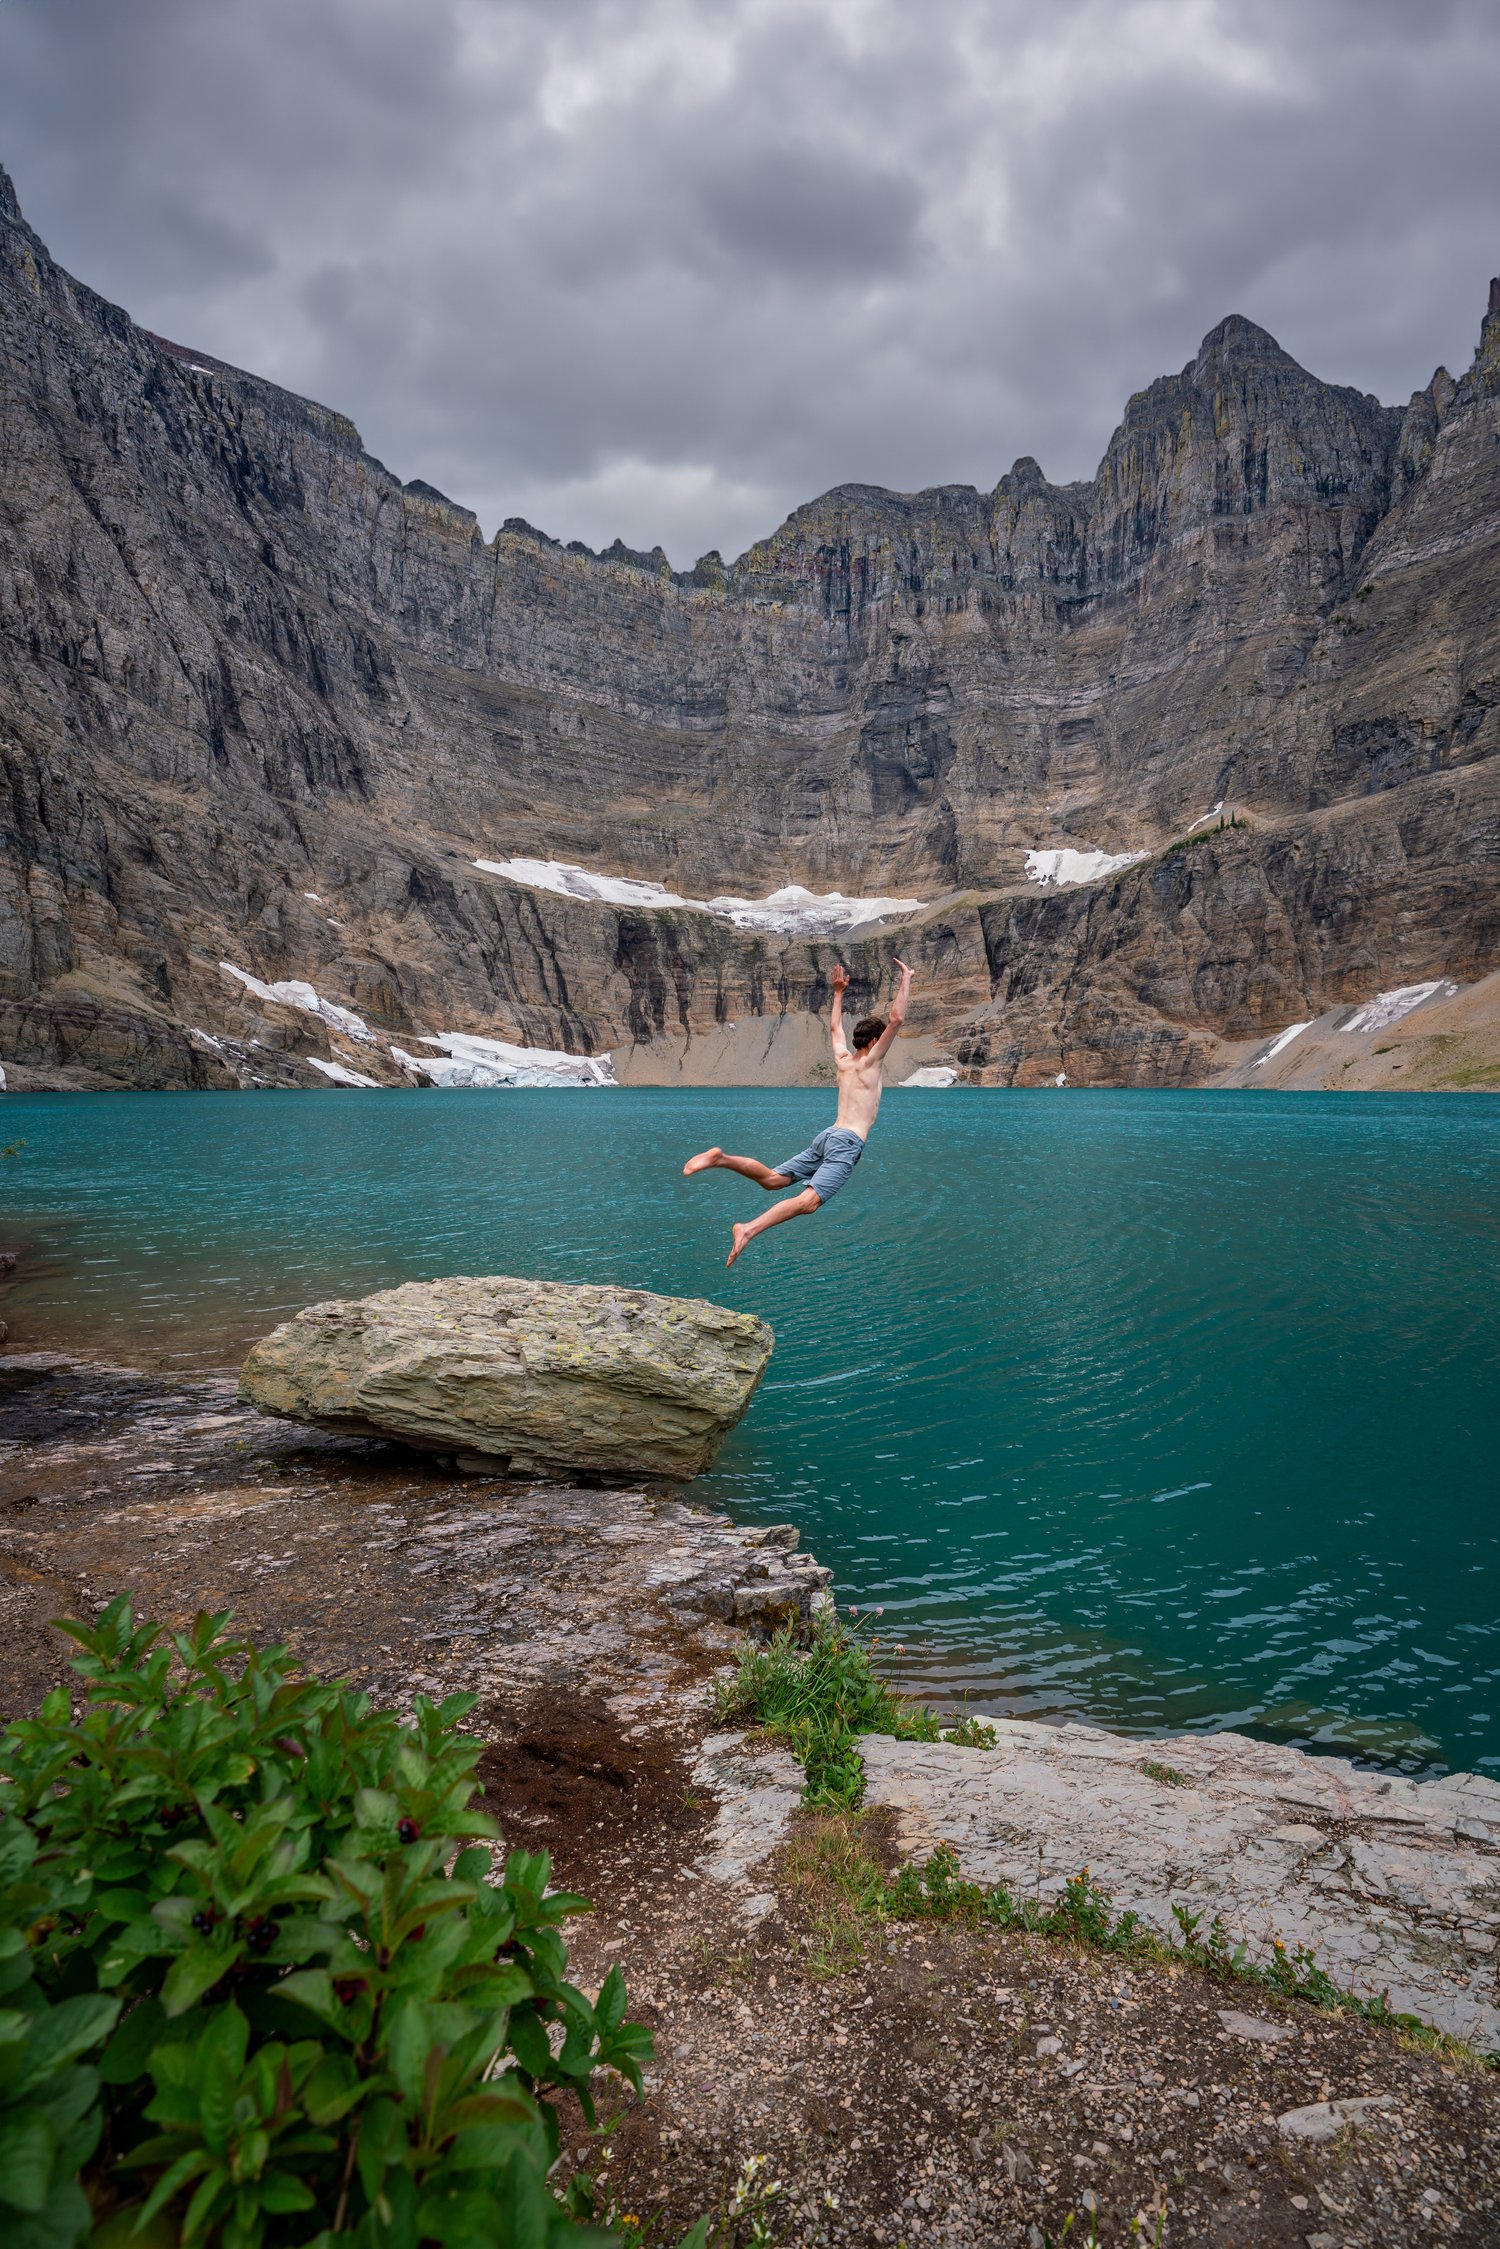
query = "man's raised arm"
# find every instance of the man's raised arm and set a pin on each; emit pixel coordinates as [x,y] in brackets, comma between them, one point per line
[840,982]
[897,1016]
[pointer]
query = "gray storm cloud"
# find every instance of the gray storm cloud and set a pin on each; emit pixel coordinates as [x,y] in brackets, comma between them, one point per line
[662,269]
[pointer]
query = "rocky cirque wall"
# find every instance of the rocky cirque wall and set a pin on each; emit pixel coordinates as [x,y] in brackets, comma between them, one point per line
[261,702]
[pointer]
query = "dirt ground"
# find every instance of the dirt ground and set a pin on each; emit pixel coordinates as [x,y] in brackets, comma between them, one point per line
[923,2084]
[952,2087]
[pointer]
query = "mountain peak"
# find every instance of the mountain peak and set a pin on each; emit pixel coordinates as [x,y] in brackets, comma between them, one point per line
[1235,341]
[9,206]
[1025,475]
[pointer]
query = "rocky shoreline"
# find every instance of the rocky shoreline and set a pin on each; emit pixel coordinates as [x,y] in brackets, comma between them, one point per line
[946,2085]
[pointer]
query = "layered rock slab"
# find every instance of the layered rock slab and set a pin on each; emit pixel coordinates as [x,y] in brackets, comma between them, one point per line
[540,1375]
[1393,1884]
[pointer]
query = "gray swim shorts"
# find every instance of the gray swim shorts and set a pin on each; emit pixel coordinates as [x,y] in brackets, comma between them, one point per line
[825,1163]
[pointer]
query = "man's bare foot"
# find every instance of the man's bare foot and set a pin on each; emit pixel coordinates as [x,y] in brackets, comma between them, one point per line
[709,1157]
[741,1236]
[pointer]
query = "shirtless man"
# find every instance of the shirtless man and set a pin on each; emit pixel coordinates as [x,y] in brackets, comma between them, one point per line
[827,1161]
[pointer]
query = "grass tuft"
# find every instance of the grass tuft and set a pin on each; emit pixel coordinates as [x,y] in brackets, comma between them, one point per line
[817,1700]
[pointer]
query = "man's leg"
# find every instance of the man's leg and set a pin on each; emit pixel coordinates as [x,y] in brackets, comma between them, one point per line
[795,1206]
[714,1159]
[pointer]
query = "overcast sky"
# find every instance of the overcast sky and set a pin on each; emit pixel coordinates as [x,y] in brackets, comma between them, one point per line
[665,268]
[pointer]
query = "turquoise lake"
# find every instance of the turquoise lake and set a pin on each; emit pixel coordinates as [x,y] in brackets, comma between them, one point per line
[1169,1410]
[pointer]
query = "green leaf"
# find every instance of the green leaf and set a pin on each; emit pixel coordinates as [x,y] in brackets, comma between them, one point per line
[17,1850]
[122,2230]
[280,2193]
[609,2007]
[119,1905]
[332,2089]
[66,2030]
[528,2042]
[526,2209]
[490,2108]
[217,2087]
[226,2039]
[195,1971]
[27,2147]
[312,1988]
[408,2042]
[174,2178]
[125,2057]
[210,2189]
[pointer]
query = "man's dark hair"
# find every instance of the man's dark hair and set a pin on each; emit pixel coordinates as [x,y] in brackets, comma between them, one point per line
[867,1030]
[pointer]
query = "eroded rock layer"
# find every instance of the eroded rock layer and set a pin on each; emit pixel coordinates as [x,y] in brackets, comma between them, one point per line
[261,702]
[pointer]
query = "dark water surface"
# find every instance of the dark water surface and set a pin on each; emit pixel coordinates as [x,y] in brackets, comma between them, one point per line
[1169,1409]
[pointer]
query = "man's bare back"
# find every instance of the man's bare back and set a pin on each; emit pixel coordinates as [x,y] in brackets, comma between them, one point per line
[826,1164]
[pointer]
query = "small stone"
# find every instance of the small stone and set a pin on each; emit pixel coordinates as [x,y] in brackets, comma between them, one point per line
[1321,2120]
[1253,2027]
[1048,2046]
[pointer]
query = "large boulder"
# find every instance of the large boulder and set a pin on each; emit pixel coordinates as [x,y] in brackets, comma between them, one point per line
[539,1375]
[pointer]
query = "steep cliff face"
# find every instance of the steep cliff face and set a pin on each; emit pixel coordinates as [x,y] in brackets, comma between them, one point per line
[259,701]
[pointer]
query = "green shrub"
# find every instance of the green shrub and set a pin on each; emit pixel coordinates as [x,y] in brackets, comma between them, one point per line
[49,2100]
[971,1733]
[253,1952]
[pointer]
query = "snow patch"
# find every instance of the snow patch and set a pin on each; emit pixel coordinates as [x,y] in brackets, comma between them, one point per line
[2,1077]
[806,914]
[936,1074]
[1284,1038]
[338,1073]
[789,911]
[469,1061]
[1387,1008]
[296,994]
[1058,870]
[578,882]
[1204,818]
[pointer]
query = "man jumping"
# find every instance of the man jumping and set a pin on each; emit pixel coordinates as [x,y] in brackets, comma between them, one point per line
[827,1161]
